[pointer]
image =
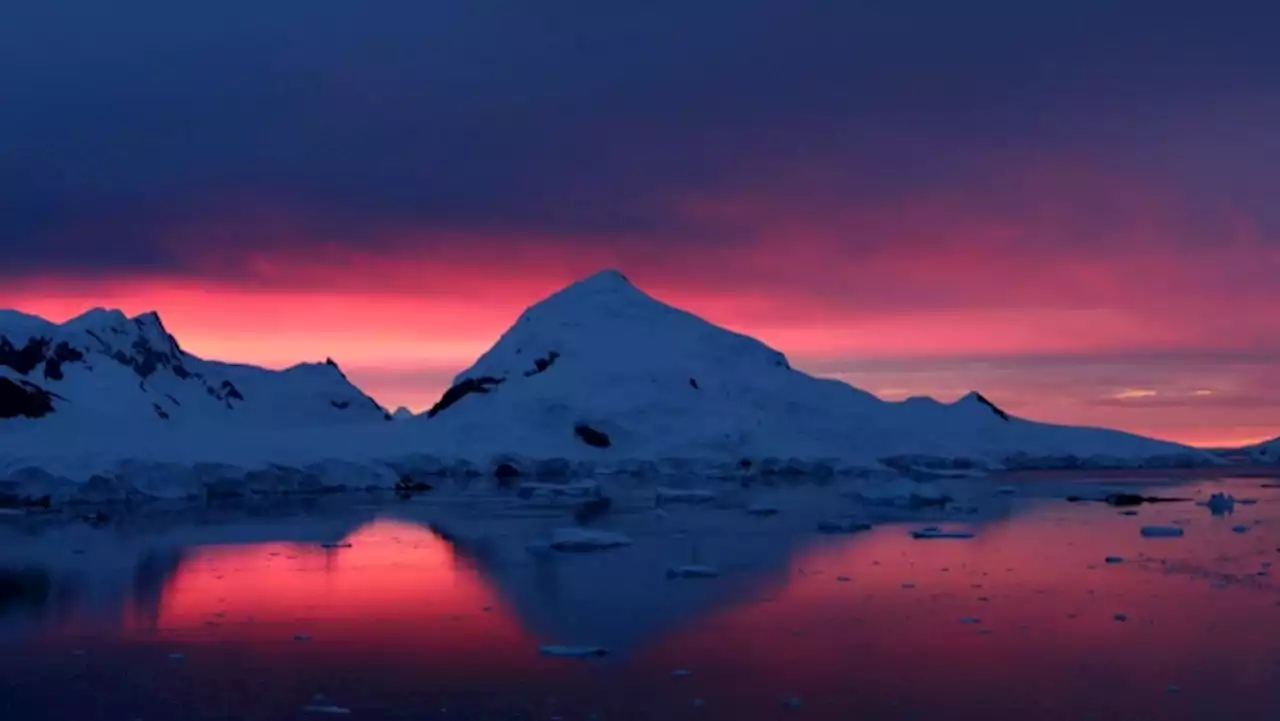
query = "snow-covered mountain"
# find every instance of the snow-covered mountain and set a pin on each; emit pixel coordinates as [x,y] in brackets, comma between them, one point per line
[599,377]
[602,370]
[105,371]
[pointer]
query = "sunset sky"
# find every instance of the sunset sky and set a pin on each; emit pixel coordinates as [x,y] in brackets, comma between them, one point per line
[1070,206]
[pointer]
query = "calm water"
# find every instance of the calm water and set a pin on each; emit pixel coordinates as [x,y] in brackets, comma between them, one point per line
[242,614]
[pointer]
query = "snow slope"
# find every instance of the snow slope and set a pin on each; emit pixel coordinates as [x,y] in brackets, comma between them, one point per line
[601,359]
[103,370]
[599,377]
[1268,452]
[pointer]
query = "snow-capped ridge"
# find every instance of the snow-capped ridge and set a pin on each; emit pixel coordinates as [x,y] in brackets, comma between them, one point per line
[103,364]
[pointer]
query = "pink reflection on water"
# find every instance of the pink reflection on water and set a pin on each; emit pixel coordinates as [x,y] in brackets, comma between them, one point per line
[1020,622]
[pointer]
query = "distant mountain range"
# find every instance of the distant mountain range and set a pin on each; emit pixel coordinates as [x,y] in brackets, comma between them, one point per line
[598,377]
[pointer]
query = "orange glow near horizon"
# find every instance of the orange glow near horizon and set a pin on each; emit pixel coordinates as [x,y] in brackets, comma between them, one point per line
[910,297]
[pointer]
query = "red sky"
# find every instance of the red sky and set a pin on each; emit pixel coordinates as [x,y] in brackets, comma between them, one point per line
[1082,298]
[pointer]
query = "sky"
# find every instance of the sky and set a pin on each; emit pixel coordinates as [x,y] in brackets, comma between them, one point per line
[1069,206]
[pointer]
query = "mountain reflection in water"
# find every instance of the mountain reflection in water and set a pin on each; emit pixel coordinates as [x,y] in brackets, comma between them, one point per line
[1027,620]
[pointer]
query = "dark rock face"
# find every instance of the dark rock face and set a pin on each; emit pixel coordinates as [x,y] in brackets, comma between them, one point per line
[462,390]
[164,415]
[23,399]
[62,353]
[693,382]
[506,472]
[340,405]
[541,364]
[24,359]
[591,436]
[230,391]
[994,408]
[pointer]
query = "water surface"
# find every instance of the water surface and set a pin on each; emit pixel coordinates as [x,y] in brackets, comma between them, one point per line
[436,610]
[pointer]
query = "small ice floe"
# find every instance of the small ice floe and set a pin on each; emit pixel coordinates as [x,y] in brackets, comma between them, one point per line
[1247,501]
[699,703]
[1121,617]
[1115,559]
[1161,532]
[969,620]
[302,637]
[1220,504]
[843,525]
[842,579]
[1173,688]
[1240,529]
[763,508]
[583,539]
[585,489]
[1006,490]
[685,495]
[792,702]
[12,512]
[486,609]
[908,585]
[1128,513]
[681,673]
[573,651]
[320,704]
[79,652]
[692,571]
[335,545]
[935,532]
[177,656]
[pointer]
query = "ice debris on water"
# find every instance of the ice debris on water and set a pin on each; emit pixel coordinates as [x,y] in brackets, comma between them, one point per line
[583,539]
[842,579]
[763,508]
[177,656]
[302,637]
[1115,559]
[1240,529]
[1221,503]
[935,532]
[970,620]
[1246,501]
[1006,490]
[335,545]
[1173,688]
[685,495]
[320,704]
[1161,532]
[692,571]
[573,651]
[843,525]
[681,673]
[792,702]
[1121,617]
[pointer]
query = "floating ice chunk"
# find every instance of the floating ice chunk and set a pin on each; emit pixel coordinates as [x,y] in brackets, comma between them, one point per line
[573,651]
[681,673]
[335,545]
[970,620]
[1246,501]
[1128,513]
[1240,529]
[908,585]
[1173,688]
[685,495]
[177,656]
[1121,617]
[1221,503]
[842,579]
[582,489]
[692,571]
[1161,532]
[320,704]
[843,525]
[302,637]
[583,539]
[935,532]
[792,702]
[1115,559]
[1006,490]
[12,512]
[763,508]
